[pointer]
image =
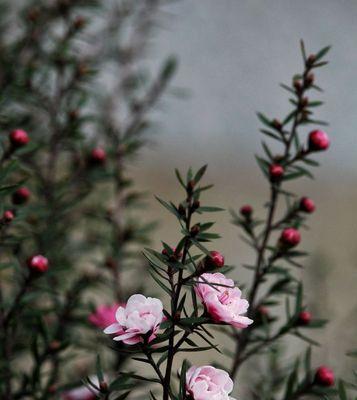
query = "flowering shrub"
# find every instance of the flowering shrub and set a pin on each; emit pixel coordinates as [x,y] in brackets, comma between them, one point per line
[67,203]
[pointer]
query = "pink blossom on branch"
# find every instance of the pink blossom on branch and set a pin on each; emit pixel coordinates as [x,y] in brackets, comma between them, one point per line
[208,383]
[104,315]
[140,317]
[222,300]
[81,393]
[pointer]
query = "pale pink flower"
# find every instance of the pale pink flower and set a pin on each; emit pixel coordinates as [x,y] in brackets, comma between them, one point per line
[141,316]
[222,300]
[104,315]
[81,393]
[208,383]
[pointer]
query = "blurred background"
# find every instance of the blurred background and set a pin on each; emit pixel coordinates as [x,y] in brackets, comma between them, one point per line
[233,55]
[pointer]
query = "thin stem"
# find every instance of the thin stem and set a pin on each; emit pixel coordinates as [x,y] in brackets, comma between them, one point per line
[176,297]
[244,338]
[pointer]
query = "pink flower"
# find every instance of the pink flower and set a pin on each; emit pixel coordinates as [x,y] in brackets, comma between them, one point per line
[81,393]
[208,383]
[222,300]
[141,316]
[104,315]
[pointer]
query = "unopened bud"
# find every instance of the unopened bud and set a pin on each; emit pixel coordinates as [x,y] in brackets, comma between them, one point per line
[311,59]
[195,230]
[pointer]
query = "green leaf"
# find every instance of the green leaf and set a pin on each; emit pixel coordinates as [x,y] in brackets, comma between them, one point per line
[342,390]
[264,119]
[99,369]
[322,53]
[169,206]
[200,173]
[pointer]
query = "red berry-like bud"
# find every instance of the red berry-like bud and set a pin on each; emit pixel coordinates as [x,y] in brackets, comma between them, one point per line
[276,172]
[311,59]
[246,210]
[307,205]
[318,141]
[215,260]
[21,195]
[98,156]
[173,257]
[79,22]
[263,311]
[324,376]
[304,318]
[8,216]
[19,138]
[38,263]
[290,237]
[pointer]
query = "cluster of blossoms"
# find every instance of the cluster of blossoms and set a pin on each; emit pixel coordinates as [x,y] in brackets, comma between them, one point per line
[139,320]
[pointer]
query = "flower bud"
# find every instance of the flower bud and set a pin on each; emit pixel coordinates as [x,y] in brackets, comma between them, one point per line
[182,209]
[290,237]
[110,263]
[304,318]
[82,70]
[33,14]
[79,22]
[8,216]
[195,205]
[175,256]
[263,311]
[307,205]
[52,389]
[297,85]
[215,260]
[318,141]
[324,376]
[311,59]
[103,386]
[277,124]
[276,172]
[54,345]
[73,114]
[310,78]
[195,230]
[18,138]
[246,210]
[37,263]
[190,186]
[21,195]
[304,102]
[98,156]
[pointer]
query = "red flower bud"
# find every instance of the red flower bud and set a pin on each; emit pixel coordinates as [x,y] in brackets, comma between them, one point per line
[307,205]
[304,318]
[18,138]
[276,172]
[263,311]
[290,237]
[98,156]
[38,263]
[246,210]
[21,195]
[215,260]
[318,141]
[79,22]
[173,257]
[8,216]
[324,376]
